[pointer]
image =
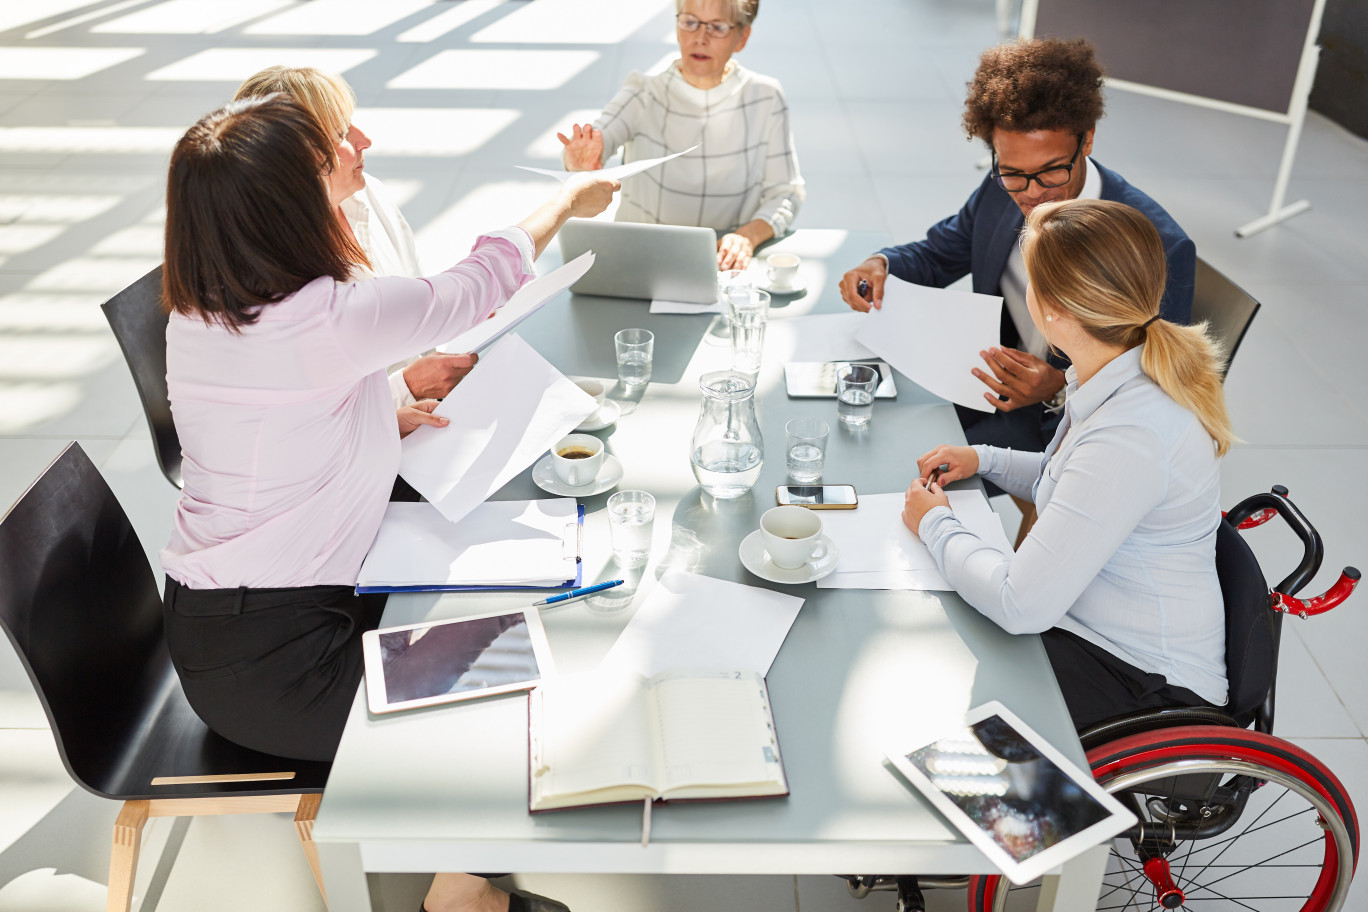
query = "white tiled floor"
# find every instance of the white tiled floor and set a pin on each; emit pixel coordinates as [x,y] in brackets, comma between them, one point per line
[875,87]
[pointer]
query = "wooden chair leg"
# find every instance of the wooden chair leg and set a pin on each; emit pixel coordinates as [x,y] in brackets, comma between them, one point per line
[304,821]
[1028,518]
[123,857]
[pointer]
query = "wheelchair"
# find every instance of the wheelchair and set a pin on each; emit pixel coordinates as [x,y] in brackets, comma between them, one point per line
[1230,817]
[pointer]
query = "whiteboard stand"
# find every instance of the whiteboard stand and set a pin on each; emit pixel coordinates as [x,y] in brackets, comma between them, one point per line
[1294,117]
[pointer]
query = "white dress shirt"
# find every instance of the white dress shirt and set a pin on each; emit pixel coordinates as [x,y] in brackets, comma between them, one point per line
[744,168]
[1123,553]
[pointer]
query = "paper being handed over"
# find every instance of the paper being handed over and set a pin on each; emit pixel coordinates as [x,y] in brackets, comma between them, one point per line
[616,173]
[934,336]
[504,415]
[525,302]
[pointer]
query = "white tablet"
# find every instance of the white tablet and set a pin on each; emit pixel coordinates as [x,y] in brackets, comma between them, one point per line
[462,659]
[1020,801]
[817,379]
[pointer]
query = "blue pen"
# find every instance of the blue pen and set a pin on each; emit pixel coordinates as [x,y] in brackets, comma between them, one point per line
[576,593]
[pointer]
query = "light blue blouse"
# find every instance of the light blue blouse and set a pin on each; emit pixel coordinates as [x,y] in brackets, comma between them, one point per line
[1123,553]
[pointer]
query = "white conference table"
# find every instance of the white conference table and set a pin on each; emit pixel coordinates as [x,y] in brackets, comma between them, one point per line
[445,789]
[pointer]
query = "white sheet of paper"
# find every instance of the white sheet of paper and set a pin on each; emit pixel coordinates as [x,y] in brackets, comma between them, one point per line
[876,546]
[618,172]
[505,414]
[821,337]
[692,621]
[934,336]
[525,302]
[684,307]
[499,543]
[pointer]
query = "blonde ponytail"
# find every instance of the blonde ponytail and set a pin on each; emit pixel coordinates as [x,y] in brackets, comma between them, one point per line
[1102,264]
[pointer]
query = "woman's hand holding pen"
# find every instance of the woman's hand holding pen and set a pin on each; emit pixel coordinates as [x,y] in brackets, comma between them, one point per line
[945,464]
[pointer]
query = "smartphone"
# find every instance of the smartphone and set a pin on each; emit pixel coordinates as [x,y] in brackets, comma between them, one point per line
[817,497]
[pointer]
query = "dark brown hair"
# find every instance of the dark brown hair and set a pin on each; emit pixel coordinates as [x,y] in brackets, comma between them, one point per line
[248,220]
[1041,84]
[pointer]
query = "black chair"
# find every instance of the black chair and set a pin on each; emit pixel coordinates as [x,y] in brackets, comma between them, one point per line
[80,604]
[1226,307]
[139,322]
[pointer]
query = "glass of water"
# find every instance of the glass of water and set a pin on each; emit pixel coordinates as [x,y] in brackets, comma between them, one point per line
[631,515]
[634,350]
[855,386]
[747,312]
[807,441]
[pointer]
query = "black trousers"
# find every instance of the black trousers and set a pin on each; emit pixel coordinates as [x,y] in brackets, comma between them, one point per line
[1097,685]
[275,670]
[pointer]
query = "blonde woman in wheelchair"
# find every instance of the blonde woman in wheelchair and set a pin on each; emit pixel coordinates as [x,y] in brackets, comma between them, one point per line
[1119,573]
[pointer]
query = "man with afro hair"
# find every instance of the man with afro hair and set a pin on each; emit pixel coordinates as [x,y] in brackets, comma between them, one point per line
[1035,104]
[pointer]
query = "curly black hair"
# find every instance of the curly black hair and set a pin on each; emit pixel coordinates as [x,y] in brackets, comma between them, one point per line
[1040,84]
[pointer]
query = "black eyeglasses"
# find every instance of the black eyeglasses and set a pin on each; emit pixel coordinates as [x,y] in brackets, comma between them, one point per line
[716,28]
[1053,176]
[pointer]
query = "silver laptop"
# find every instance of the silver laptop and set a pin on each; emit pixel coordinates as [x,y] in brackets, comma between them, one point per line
[654,262]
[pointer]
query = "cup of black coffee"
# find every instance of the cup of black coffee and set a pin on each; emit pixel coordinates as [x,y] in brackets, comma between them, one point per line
[577,459]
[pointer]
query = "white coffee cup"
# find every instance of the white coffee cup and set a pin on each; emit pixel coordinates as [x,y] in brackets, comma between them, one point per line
[596,388]
[792,536]
[783,270]
[577,470]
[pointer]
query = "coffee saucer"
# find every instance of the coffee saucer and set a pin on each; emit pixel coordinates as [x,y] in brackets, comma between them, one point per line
[756,559]
[605,415]
[544,475]
[798,286]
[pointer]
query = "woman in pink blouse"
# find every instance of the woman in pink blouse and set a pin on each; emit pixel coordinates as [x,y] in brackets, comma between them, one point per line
[290,440]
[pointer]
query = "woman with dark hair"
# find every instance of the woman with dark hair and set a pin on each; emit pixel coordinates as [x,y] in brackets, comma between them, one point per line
[290,442]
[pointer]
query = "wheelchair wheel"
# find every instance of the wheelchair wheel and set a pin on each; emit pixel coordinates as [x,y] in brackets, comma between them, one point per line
[1241,820]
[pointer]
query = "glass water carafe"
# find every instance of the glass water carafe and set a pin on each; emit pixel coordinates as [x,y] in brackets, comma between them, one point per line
[727,450]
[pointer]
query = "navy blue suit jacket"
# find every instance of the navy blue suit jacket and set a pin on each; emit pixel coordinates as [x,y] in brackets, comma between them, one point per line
[978,239]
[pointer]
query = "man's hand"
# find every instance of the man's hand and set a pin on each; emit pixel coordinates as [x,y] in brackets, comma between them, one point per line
[734,251]
[434,376]
[583,148]
[873,272]
[1023,378]
[920,499]
[412,417]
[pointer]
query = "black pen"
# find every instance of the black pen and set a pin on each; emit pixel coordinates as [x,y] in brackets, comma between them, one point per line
[862,289]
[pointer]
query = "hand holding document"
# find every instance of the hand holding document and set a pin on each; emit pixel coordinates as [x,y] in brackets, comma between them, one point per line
[525,302]
[504,415]
[879,552]
[934,336]
[692,621]
[616,173]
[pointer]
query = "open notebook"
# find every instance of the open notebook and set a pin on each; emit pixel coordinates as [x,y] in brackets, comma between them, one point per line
[606,738]
[501,544]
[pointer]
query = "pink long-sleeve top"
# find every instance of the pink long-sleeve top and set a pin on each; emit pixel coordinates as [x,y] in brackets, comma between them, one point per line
[288,434]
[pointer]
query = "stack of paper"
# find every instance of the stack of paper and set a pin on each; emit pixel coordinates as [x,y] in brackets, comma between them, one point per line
[502,543]
[697,622]
[934,336]
[504,415]
[879,552]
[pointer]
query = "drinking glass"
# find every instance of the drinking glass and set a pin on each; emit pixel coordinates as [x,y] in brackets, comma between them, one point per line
[747,312]
[630,517]
[807,441]
[634,350]
[855,386]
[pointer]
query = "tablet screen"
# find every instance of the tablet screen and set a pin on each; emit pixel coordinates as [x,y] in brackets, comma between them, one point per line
[457,657]
[1020,798]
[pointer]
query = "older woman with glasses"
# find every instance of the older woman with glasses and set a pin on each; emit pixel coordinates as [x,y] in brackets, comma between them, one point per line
[742,180]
